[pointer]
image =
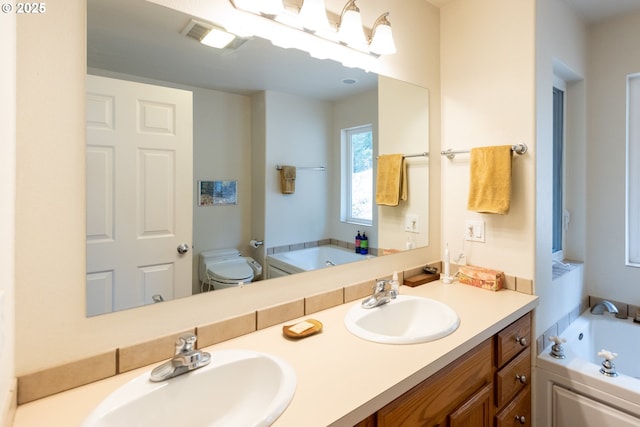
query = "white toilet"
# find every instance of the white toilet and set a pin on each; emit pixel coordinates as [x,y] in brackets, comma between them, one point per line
[225,268]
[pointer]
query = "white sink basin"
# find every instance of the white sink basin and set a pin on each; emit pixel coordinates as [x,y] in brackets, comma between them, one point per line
[238,388]
[404,320]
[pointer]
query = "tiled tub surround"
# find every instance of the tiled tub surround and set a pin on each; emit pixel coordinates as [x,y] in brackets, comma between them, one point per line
[315,243]
[542,341]
[333,357]
[47,382]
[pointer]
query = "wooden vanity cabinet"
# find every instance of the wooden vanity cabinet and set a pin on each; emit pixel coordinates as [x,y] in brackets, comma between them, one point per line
[461,393]
[513,374]
[486,387]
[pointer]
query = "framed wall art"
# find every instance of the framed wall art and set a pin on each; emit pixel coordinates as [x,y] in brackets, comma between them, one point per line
[217,193]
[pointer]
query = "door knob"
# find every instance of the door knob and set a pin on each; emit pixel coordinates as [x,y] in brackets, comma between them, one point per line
[183,249]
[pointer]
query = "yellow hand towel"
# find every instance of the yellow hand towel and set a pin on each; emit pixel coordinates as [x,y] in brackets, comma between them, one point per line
[490,186]
[288,179]
[391,180]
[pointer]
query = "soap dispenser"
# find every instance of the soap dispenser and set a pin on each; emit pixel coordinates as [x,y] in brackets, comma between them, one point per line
[364,244]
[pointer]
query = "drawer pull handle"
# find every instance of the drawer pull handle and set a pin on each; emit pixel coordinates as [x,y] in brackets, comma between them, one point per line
[521,340]
[521,378]
[521,419]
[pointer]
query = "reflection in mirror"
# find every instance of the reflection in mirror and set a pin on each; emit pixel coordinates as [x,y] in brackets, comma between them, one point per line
[254,108]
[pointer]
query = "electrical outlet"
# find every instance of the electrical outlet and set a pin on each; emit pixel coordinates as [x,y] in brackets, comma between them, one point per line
[474,231]
[412,223]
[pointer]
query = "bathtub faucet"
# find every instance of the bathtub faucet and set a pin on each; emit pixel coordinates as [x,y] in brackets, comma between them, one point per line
[186,359]
[603,305]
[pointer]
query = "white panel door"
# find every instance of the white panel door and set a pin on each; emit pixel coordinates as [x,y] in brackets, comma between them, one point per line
[139,195]
[572,409]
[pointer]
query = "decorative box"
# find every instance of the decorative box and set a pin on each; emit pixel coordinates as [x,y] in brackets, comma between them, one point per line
[480,277]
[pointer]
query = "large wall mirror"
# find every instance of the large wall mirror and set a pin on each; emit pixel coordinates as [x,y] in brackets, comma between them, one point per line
[253,108]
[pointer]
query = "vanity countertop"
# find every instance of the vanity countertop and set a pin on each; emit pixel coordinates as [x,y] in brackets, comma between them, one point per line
[341,378]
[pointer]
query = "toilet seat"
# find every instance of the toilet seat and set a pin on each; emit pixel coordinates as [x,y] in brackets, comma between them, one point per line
[229,271]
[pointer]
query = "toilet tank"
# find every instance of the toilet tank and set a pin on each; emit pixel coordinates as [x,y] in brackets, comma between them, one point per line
[219,253]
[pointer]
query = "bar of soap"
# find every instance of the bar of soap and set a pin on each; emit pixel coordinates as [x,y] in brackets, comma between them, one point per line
[302,329]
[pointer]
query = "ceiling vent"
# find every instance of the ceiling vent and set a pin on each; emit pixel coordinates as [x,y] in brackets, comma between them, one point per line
[197,30]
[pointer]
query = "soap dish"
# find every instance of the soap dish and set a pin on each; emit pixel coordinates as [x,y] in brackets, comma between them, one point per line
[302,329]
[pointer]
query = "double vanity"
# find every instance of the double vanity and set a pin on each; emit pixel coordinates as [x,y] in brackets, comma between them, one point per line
[345,375]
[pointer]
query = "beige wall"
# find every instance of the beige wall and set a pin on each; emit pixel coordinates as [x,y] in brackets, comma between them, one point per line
[560,50]
[50,262]
[404,128]
[347,113]
[488,98]
[7,206]
[613,55]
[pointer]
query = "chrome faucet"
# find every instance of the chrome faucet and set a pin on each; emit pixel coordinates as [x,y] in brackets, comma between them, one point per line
[383,292]
[603,305]
[186,359]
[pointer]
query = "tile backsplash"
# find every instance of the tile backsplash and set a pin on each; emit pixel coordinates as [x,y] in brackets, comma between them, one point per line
[60,378]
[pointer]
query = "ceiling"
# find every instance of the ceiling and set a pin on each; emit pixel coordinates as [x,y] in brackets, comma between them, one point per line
[598,10]
[590,11]
[143,39]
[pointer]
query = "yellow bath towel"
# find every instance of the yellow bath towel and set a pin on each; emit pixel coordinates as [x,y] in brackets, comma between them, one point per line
[288,179]
[391,180]
[490,186]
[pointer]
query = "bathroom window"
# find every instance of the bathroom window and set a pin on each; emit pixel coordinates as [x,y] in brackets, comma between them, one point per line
[558,173]
[633,171]
[358,175]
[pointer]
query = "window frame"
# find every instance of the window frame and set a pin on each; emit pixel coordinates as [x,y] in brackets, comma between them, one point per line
[347,197]
[632,173]
[558,207]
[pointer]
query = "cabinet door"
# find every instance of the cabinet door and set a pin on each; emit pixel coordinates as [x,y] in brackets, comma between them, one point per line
[475,412]
[572,409]
[430,402]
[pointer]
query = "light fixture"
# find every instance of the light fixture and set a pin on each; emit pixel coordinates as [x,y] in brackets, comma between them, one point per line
[217,38]
[313,15]
[308,26]
[350,30]
[381,37]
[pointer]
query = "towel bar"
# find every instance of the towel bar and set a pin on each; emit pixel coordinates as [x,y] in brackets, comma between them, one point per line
[451,154]
[315,168]
[423,154]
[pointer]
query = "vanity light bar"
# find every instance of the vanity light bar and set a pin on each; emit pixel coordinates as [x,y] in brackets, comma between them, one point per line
[348,31]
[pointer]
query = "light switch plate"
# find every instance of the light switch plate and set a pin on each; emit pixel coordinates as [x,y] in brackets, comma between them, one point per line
[412,223]
[474,231]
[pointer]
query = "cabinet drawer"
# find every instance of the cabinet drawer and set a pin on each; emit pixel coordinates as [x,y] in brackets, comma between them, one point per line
[430,402]
[513,378]
[518,412]
[513,339]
